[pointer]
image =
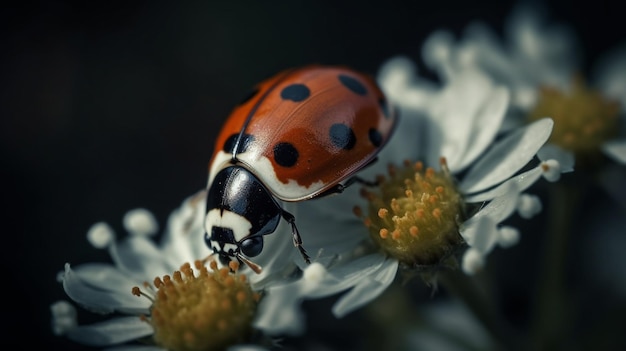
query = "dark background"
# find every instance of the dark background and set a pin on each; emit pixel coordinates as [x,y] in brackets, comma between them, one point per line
[108,106]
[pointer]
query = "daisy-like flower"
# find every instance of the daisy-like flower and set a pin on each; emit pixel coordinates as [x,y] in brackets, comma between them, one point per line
[160,297]
[460,124]
[539,64]
[423,213]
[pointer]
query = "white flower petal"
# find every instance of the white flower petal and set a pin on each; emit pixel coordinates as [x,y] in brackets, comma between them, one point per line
[61,325]
[547,54]
[105,277]
[412,97]
[398,79]
[528,206]
[520,183]
[100,235]
[329,224]
[508,237]
[437,51]
[63,317]
[551,170]
[139,257]
[351,273]
[183,239]
[616,149]
[140,222]
[480,233]
[486,125]
[110,332]
[507,156]
[500,207]
[367,290]
[473,261]
[342,276]
[489,54]
[525,96]
[279,312]
[97,300]
[565,158]
[488,51]
[463,101]
[62,308]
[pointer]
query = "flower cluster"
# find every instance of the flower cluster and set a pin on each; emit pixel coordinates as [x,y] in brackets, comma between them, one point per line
[464,159]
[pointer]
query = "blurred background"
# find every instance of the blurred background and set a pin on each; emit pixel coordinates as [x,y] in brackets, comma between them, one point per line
[106,106]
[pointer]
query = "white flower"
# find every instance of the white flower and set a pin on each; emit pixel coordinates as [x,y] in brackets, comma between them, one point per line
[132,286]
[539,63]
[459,122]
[464,119]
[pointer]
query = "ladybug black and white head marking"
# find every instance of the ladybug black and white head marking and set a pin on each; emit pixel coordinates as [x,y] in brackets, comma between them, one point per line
[240,210]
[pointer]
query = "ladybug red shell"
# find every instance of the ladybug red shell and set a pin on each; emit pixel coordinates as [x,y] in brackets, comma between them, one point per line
[299,134]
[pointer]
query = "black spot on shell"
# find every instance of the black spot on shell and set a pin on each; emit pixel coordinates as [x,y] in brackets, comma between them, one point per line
[342,136]
[353,84]
[244,143]
[295,92]
[375,137]
[285,154]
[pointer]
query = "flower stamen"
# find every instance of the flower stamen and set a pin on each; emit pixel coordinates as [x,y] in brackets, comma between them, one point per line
[419,209]
[202,310]
[137,292]
[584,119]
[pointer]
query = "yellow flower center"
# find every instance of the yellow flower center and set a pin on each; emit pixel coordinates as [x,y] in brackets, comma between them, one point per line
[415,215]
[583,118]
[210,310]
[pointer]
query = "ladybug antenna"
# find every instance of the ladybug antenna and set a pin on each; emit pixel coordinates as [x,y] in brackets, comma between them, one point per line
[255,267]
[209,258]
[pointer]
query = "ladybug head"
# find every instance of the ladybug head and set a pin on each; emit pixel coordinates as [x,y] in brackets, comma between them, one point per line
[240,211]
[222,241]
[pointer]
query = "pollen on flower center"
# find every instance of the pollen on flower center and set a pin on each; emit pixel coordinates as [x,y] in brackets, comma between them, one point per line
[583,118]
[209,310]
[415,215]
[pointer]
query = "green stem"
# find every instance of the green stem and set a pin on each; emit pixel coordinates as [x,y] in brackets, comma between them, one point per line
[550,318]
[394,316]
[475,297]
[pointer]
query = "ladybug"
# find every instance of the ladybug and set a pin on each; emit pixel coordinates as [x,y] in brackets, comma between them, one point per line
[298,135]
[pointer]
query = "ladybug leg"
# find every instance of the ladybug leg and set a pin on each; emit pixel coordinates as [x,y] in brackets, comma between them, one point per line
[339,188]
[357,179]
[297,240]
